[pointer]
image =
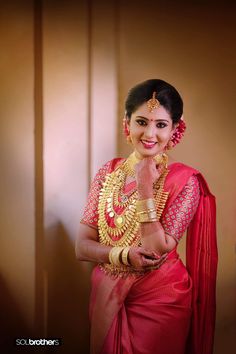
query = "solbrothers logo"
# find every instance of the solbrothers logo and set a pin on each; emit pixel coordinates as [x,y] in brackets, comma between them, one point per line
[38,341]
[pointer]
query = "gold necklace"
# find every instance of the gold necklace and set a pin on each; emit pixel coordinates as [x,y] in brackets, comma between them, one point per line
[132,160]
[126,223]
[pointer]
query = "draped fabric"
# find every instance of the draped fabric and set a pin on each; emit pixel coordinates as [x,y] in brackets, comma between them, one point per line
[202,259]
[171,309]
[153,316]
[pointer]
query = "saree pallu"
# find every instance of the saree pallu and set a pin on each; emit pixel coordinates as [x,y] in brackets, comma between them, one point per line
[171,309]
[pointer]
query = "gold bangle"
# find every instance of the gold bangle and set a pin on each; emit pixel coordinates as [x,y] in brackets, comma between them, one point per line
[124,256]
[109,255]
[147,211]
[147,217]
[114,256]
[145,204]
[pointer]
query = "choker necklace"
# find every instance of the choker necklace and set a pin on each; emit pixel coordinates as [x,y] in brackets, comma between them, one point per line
[132,160]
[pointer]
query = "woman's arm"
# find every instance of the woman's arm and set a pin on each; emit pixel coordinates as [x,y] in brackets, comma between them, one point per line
[163,236]
[87,248]
[153,235]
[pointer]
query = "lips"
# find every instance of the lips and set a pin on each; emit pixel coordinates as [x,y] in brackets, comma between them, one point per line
[148,144]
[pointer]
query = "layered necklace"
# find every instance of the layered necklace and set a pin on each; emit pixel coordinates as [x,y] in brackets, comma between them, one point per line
[118,223]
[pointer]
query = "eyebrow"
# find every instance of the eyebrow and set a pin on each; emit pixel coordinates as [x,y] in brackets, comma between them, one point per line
[156,120]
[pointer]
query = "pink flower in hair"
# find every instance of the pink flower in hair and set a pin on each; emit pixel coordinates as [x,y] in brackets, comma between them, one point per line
[179,132]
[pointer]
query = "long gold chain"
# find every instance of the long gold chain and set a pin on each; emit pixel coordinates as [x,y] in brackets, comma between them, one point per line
[125,232]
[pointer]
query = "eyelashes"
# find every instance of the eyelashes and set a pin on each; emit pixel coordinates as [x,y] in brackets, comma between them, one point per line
[161,125]
[143,123]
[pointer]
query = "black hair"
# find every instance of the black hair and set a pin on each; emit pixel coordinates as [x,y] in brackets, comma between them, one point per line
[166,94]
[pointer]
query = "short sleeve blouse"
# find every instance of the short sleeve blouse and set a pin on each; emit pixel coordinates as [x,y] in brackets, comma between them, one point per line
[178,216]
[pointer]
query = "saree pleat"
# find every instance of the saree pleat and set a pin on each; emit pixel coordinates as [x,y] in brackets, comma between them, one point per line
[107,297]
[136,329]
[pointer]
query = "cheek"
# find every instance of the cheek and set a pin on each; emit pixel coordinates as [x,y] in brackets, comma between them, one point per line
[164,135]
[135,130]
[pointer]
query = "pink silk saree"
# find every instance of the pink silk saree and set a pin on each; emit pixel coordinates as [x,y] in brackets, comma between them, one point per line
[171,309]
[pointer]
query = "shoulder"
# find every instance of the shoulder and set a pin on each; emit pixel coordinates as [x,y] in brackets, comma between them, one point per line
[183,174]
[179,167]
[179,174]
[108,167]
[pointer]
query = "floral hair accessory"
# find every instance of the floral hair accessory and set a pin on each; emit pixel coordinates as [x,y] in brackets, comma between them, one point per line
[178,134]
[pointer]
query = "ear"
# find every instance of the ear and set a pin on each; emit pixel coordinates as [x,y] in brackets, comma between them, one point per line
[126,119]
[174,127]
[126,125]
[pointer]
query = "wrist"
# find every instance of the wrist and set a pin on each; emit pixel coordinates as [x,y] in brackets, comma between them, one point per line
[158,228]
[145,192]
[145,195]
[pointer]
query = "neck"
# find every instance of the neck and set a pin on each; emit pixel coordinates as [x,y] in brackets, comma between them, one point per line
[132,160]
[159,158]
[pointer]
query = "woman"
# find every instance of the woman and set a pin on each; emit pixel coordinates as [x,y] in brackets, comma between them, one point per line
[143,299]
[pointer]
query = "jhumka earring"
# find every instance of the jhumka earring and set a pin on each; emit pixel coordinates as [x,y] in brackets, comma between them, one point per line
[169,145]
[153,103]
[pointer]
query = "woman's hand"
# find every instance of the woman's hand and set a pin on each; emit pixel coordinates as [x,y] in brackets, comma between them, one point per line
[146,173]
[142,259]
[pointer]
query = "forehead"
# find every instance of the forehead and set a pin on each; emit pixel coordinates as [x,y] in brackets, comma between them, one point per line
[157,113]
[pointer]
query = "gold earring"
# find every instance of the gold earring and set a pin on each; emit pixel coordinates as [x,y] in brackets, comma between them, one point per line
[169,145]
[129,140]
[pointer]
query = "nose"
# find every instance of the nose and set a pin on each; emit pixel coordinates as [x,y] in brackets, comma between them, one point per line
[150,131]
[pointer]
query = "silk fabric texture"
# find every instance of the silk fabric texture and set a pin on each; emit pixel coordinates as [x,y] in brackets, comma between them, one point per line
[168,310]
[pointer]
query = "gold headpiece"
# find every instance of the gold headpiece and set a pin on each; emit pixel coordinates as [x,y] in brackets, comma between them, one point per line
[153,103]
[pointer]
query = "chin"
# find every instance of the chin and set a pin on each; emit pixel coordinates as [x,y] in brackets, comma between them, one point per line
[148,153]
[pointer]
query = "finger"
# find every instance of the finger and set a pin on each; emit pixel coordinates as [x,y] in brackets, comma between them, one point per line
[152,254]
[154,265]
[158,256]
[150,262]
[145,262]
[145,252]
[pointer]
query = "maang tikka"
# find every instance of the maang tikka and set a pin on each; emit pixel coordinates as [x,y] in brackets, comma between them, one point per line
[153,103]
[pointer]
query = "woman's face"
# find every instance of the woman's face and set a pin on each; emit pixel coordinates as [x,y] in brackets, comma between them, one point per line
[150,131]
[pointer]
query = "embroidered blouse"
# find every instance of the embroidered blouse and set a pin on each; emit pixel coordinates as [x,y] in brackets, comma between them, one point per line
[174,220]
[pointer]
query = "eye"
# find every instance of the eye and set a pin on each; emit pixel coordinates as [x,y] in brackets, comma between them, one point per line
[141,122]
[161,125]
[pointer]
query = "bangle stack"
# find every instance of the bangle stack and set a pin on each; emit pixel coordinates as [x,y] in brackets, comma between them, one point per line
[118,256]
[146,210]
